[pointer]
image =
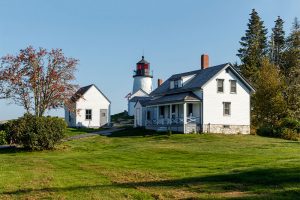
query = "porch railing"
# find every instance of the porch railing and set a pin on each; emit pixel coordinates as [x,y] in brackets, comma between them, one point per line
[173,121]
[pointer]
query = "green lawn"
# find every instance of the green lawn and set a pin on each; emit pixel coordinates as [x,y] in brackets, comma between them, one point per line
[155,167]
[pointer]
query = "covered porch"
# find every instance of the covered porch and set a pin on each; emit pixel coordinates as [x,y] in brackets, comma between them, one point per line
[183,115]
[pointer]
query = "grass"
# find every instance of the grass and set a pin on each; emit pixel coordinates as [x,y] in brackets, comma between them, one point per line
[77,131]
[152,166]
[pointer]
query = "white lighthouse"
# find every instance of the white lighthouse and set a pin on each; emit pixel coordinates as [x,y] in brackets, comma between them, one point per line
[142,77]
[142,84]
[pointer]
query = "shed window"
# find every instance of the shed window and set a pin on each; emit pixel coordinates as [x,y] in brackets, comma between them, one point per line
[220,85]
[88,114]
[232,86]
[226,108]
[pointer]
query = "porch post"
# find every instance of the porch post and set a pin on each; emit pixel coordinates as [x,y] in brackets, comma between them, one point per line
[170,122]
[184,117]
[157,114]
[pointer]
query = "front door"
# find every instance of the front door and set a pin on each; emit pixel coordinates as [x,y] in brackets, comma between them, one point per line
[103,117]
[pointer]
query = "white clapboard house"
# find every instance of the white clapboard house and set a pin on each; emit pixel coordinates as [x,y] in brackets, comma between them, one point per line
[92,108]
[212,99]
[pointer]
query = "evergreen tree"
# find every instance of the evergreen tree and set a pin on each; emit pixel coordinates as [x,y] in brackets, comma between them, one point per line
[277,42]
[292,70]
[253,46]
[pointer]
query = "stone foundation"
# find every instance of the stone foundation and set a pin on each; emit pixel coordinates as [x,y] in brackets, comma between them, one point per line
[226,129]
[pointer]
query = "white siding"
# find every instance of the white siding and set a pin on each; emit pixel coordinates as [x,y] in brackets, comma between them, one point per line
[95,101]
[142,82]
[131,105]
[213,102]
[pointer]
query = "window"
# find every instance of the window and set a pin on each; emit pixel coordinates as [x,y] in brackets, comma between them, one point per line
[232,86]
[88,114]
[176,84]
[190,109]
[172,85]
[220,85]
[226,108]
[103,114]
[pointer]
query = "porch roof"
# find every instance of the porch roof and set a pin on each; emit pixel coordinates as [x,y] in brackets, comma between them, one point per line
[174,98]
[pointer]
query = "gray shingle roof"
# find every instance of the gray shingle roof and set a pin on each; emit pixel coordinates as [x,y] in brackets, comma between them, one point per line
[83,90]
[173,98]
[137,98]
[201,77]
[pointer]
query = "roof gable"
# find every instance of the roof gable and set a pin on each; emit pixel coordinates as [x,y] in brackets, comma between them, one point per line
[79,94]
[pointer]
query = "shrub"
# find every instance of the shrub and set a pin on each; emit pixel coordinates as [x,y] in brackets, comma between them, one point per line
[36,133]
[290,123]
[2,137]
[289,134]
[267,131]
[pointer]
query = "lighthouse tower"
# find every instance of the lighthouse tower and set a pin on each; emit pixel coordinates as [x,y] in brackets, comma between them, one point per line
[142,77]
[142,84]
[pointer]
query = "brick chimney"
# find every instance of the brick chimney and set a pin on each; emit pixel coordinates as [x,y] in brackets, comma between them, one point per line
[204,61]
[159,82]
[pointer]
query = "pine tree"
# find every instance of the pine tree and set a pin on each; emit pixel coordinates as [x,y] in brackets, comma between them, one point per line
[292,70]
[254,46]
[277,42]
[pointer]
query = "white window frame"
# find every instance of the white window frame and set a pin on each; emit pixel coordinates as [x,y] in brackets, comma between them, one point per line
[229,108]
[218,85]
[233,81]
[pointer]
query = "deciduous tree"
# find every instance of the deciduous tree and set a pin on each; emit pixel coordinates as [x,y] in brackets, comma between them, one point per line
[38,79]
[268,101]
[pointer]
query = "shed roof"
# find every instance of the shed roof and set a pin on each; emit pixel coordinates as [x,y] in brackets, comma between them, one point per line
[81,91]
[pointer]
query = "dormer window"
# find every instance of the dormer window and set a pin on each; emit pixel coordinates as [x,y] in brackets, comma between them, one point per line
[176,84]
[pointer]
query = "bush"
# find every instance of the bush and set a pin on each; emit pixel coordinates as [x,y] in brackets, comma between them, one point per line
[290,123]
[3,138]
[267,131]
[36,133]
[289,134]
[288,129]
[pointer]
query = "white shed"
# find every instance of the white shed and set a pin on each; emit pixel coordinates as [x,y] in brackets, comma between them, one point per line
[92,108]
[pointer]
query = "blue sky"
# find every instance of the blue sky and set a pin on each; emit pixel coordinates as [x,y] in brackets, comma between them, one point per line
[109,37]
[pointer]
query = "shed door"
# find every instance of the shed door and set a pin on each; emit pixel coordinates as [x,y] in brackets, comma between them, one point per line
[103,117]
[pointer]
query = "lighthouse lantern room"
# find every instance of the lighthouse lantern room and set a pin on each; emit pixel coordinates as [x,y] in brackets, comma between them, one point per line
[142,77]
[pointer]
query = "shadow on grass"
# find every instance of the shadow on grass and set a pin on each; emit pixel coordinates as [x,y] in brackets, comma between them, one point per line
[12,149]
[258,183]
[131,132]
